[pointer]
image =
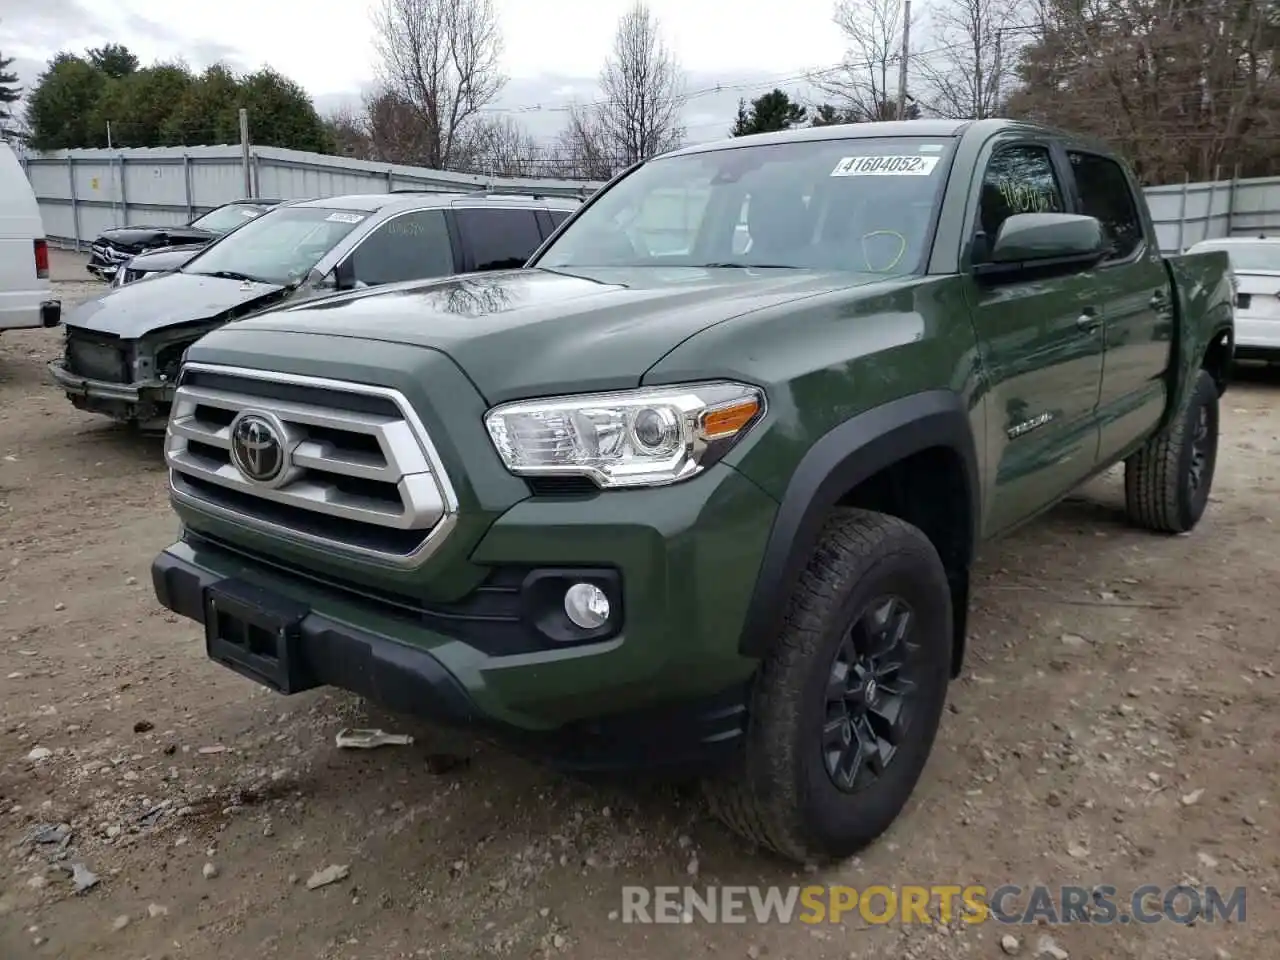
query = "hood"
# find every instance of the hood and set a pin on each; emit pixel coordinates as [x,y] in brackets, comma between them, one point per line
[167,301]
[164,258]
[145,236]
[520,333]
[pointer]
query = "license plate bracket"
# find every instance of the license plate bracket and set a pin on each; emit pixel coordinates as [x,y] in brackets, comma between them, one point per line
[257,633]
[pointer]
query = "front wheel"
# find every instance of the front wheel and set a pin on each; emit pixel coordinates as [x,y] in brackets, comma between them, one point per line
[847,703]
[1167,482]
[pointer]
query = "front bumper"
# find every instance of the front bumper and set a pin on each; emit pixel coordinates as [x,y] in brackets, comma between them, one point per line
[669,684]
[146,403]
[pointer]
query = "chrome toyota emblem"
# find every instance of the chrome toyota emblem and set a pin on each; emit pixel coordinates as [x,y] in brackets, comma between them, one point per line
[258,447]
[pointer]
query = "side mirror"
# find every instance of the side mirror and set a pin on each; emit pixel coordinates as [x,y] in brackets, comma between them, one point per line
[1030,241]
[344,275]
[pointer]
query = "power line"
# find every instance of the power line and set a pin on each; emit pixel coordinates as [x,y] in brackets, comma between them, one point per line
[808,76]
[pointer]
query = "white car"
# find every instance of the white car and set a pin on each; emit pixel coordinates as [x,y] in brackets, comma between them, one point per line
[1255,263]
[26,298]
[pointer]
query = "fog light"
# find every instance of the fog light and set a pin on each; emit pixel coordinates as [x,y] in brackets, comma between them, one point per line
[586,605]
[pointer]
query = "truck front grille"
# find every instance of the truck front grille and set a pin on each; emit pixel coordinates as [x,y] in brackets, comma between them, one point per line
[357,474]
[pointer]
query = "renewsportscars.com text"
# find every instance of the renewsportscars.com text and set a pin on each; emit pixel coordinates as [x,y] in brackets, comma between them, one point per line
[1008,904]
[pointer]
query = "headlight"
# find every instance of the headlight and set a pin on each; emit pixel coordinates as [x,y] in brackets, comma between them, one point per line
[632,438]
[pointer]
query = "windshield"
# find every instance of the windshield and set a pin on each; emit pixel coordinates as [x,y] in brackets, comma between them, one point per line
[865,205]
[1246,257]
[227,218]
[281,246]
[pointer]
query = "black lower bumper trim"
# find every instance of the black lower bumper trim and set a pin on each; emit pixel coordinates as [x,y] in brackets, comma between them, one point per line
[50,313]
[686,735]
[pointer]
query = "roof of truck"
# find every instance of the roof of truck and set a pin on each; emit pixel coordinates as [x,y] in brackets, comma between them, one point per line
[888,128]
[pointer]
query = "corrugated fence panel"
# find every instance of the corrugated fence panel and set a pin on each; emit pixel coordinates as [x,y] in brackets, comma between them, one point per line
[83,192]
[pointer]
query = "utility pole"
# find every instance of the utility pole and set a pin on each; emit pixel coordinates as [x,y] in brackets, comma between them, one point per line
[995,77]
[906,52]
[244,152]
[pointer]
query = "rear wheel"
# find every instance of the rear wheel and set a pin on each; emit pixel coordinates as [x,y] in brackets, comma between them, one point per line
[1167,482]
[847,703]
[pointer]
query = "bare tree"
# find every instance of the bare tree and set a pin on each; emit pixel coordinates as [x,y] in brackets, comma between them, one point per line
[440,60]
[644,89]
[396,131]
[584,149]
[506,149]
[864,87]
[1179,86]
[970,71]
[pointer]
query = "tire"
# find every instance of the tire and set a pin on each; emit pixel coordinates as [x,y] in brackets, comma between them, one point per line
[1167,482]
[779,794]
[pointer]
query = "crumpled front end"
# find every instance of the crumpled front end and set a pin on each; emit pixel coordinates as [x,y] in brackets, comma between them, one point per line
[127,380]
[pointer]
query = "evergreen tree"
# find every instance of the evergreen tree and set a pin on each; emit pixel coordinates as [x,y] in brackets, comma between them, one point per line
[772,111]
[10,92]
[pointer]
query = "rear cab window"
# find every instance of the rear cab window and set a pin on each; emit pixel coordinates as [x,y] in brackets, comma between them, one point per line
[1105,194]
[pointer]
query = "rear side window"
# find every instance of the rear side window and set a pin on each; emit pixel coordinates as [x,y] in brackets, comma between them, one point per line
[558,217]
[412,246]
[499,239]
[1105,194]
[1019,179]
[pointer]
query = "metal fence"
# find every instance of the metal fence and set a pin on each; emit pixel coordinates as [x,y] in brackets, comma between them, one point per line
[1189,212]
[83,192]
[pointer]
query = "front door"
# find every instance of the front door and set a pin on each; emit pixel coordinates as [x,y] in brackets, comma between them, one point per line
[1041,348]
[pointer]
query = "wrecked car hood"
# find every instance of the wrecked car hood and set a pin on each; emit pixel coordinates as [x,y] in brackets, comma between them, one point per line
[137,309]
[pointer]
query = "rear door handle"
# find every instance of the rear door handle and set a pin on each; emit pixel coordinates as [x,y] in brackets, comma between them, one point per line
[1088,319]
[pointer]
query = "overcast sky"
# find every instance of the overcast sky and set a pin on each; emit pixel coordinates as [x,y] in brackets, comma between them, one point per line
[552,53]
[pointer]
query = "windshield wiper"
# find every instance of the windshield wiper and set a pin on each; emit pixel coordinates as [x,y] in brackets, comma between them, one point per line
[733,265]
[232,275]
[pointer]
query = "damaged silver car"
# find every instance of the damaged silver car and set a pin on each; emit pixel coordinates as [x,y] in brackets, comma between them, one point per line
[123,350]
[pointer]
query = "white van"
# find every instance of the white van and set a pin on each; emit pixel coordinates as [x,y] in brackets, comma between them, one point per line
[26,298]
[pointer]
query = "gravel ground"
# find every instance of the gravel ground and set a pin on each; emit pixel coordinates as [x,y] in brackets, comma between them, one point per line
[1116,724]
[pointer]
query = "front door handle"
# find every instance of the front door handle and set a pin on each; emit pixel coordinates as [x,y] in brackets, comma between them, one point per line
[1158,300]
[1088,319]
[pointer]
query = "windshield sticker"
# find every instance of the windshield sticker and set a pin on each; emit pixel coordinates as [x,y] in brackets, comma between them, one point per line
[885,167]
[248,214]
[345,217]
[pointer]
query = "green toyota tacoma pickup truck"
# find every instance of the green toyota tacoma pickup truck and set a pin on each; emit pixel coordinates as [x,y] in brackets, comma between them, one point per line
[702,484]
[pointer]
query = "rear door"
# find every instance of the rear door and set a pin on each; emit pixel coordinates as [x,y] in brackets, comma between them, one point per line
[497,238]
[1137,310]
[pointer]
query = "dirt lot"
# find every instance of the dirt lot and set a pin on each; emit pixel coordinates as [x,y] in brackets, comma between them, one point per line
[1117,724]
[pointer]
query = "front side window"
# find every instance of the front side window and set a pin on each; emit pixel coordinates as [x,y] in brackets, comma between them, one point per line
[280,246]
[499,239]
[1105,194]
[228,218]
[412,246]
[1018,179]
[864,205]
